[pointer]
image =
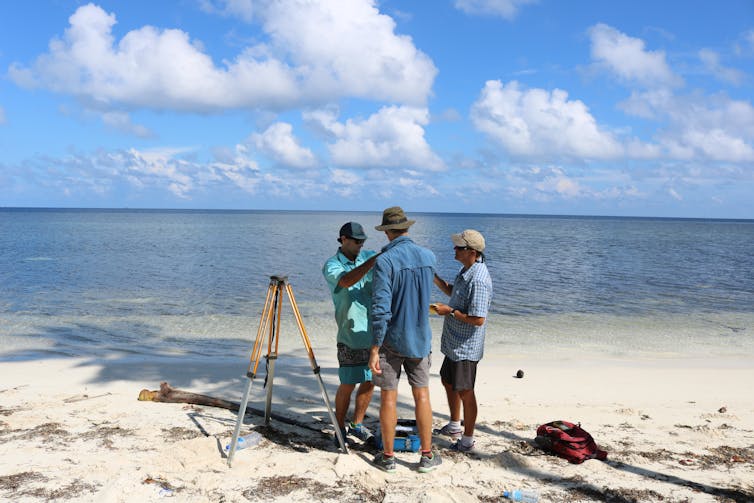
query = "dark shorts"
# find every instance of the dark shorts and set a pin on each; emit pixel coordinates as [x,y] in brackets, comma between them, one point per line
[353,365]
[461,375]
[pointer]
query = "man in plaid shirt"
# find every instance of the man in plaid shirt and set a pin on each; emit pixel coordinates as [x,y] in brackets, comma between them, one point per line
[463,335]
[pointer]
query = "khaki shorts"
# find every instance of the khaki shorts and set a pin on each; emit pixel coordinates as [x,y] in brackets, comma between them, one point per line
[417,369]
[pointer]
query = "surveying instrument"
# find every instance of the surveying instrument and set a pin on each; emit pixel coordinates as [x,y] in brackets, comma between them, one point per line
[269,326]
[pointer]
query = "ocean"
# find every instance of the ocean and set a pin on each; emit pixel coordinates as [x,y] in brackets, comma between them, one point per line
[146,284]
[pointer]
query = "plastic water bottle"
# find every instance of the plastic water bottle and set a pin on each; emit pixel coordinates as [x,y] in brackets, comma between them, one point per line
[249,440]
[525,495]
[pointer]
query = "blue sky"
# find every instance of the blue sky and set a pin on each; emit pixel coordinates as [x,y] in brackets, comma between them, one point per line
[501,106]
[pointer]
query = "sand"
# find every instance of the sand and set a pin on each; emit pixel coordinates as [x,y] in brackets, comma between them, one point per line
[71,429]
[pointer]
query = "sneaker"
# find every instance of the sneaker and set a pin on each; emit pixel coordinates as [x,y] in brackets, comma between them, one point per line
[385,463]
[445,430]
[459,446]
[360,431]
[427,464]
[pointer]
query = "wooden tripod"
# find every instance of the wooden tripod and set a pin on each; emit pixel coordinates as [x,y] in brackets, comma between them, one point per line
[269,326]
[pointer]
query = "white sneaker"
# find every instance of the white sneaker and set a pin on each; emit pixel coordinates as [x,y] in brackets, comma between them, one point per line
[461,447]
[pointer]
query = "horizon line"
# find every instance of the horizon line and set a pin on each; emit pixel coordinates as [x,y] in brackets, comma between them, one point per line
[506,214]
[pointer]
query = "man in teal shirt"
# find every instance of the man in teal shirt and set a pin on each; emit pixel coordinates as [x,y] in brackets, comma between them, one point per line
[350,280]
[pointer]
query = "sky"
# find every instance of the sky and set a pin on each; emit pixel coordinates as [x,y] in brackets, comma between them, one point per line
[626,108]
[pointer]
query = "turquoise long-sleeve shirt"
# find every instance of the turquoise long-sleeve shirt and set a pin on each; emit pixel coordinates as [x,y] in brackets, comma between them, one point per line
[401,287]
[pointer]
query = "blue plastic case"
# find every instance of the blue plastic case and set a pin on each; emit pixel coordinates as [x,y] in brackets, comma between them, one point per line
[406,437]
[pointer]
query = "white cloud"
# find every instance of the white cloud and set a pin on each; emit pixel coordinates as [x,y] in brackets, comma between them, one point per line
[237,167]
[540,124]
[279,143]
[550,183]
[711,61]
[243,9]
[161,165]
[648,104]
[558,183]
[628,59]
[351,47]
[675,195]
[506,9]
[121,121]
[345,182]
[317,51]
[344,177]
[749,39]
[392,137]
[714,128]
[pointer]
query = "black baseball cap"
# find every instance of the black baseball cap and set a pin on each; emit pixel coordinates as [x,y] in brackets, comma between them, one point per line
[352,230]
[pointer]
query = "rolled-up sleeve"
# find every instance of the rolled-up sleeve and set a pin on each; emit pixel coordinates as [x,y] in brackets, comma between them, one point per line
[381,300]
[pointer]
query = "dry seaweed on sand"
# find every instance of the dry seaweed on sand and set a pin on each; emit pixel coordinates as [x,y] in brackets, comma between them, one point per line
[280,486]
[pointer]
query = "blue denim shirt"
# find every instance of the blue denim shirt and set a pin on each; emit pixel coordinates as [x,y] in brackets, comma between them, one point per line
[401,286]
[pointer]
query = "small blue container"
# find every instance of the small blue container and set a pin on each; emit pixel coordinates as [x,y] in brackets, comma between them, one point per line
[406,439]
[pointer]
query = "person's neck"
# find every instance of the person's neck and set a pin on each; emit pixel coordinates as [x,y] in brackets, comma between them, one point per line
[467,264]
[349,256]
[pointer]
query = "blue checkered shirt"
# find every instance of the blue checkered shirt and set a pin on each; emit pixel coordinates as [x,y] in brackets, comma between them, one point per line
[472,295]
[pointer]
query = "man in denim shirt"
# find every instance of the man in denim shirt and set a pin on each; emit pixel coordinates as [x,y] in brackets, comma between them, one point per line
[401,336]
[463,335]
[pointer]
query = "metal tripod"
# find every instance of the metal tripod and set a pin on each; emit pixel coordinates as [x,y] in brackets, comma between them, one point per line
[269,324]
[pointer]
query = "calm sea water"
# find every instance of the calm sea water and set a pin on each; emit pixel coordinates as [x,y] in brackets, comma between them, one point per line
[151,283]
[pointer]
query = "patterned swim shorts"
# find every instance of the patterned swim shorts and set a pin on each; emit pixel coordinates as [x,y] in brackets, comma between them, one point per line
[349,357]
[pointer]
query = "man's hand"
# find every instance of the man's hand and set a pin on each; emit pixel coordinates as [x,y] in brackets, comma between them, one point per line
[374,360]
[442,309]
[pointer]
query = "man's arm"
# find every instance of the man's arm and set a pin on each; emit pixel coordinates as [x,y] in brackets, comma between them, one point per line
[374,360]
[481,294]
[382,296]
[444,310]
[443,285]
[354,275]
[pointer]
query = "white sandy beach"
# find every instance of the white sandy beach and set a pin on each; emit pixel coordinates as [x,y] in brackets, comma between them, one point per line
[675,430]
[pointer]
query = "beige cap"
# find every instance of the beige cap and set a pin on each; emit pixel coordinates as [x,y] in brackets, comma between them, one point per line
[469,238]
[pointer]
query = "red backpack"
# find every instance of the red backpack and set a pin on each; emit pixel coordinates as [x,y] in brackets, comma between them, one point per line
[568,441]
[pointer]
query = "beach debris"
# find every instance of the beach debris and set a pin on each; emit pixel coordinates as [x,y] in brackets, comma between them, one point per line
[166,488]
[520,374]
[686,462]
[723,409]
[79,398]
[168,394]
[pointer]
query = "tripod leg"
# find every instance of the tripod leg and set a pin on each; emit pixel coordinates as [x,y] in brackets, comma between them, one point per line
[316,369]
[239,421]
[270,377]
[272,354]
[251,372]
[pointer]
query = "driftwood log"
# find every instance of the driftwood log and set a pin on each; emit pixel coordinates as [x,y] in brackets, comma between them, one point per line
[168,394]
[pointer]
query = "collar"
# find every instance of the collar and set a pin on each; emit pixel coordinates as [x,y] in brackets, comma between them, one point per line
[397,241]
[343,259]
[467,273]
